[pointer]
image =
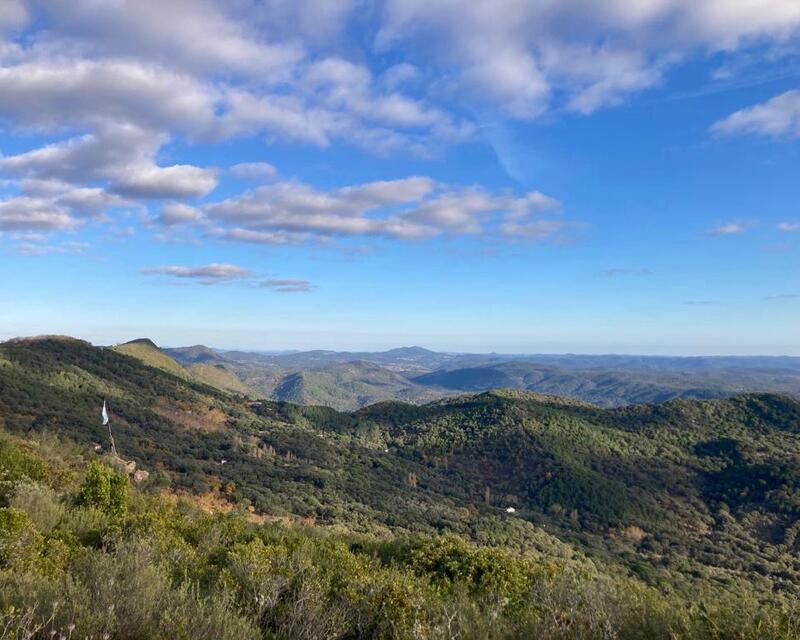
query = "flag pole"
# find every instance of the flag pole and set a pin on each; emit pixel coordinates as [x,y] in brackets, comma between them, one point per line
[106,421]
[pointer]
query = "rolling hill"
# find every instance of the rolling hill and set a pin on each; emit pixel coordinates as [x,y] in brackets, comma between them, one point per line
[349,380]
[614,387]
[202,364]
[670,469]
[340,382]
[149,352]
[350,386]
[691,499]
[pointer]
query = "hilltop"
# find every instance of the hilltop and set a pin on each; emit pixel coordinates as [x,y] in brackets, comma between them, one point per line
[202,364]
[148,352]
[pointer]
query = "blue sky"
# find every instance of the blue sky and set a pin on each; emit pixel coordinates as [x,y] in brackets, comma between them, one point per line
[576,176]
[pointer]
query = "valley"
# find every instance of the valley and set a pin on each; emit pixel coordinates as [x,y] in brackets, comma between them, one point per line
[347,381]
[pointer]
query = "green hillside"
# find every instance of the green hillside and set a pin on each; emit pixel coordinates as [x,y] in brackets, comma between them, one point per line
[218,375]
[201,367]
[350,386]
[349,380]
[196,354]
[689,501]
[613,387]
[85,554]
[148,352]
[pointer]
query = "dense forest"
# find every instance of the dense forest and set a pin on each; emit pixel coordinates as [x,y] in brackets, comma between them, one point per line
[500,514]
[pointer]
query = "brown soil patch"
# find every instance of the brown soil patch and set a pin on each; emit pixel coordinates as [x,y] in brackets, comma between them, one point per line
[191,417]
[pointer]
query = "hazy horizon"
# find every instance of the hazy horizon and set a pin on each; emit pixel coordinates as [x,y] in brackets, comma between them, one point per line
[570,177]
[381,347]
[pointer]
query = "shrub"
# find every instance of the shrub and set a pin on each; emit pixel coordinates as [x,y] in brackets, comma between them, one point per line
[104,489]
[40,503]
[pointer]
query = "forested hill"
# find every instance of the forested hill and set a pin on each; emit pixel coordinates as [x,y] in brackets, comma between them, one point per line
[685,496]
[348,381]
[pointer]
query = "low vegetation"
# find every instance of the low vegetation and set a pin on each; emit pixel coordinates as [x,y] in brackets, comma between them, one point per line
[678,520]
[90,557]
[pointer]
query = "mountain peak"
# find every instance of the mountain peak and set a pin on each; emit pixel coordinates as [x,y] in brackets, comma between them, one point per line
[410,351]
[143,341]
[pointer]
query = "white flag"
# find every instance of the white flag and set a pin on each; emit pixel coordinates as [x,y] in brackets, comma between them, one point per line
[105,414]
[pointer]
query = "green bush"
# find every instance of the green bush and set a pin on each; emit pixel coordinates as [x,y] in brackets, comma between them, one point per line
[40,502]
[104,489]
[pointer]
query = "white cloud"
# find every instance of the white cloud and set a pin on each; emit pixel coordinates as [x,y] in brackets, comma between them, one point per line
[197,35]
[408,209]
[209,274]
[13,15]
[122,157]
[291,285]
[177,181]
[788,226]
[174,213]
[238,234]
[111,84]
[778,116]
[521,55]
[56,93]
[221,273]
[25,213]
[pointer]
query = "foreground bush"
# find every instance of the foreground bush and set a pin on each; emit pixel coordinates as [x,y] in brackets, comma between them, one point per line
[99,560]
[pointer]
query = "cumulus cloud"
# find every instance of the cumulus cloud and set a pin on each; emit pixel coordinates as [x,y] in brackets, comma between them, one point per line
[110,85]
[201,69]
[195,35]
[239,234]
[778,116]
[215,273]
[24,213]
[121,156]
[174,213]
[47,92]
[291,285]
[788,227]
[408,209]
[594,53]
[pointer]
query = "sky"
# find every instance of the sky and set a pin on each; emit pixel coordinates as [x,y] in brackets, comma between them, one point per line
[492,175]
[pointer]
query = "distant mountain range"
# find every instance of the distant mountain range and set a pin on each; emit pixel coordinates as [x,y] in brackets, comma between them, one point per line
[350,380]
